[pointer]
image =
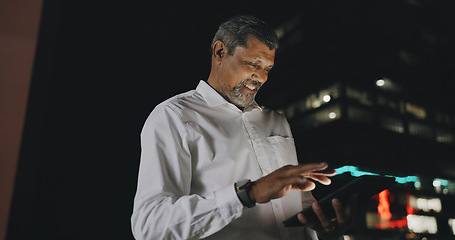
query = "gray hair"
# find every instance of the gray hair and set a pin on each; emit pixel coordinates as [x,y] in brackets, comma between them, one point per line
[235,32]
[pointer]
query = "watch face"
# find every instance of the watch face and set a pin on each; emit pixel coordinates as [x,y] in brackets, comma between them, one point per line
[241,183]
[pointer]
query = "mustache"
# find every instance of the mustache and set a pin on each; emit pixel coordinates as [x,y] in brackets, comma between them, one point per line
[255,83]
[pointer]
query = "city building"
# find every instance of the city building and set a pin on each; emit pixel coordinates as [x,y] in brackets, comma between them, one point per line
[368,94]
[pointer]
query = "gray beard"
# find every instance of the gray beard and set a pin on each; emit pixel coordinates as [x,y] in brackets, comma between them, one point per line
[236,97]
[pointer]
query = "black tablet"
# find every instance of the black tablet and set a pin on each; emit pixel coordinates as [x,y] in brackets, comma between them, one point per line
[366,186]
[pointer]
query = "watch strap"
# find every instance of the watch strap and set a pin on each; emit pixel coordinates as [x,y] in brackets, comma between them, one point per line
[243,188]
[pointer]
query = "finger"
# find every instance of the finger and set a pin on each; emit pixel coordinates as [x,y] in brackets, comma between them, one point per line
[322,179]
[307,186]
[325,222]
[307,168]
[341,214]
[326,172]
[302,219]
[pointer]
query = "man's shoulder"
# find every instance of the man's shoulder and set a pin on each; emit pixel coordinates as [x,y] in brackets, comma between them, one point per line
[179,102]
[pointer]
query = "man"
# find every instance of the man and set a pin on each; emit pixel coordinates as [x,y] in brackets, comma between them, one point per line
[215,165]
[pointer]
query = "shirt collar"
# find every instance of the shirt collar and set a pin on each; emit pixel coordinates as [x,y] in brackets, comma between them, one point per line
[213,98]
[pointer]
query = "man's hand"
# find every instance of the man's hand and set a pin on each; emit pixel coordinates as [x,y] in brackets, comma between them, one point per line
[283,180]
[328,229]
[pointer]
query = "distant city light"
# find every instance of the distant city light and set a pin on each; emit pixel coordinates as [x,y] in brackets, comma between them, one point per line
[422,224]
[436,183]
[380,82]
[452,225]
[428,204]
[326,98]
[440,182]
[332,115]
[316,104]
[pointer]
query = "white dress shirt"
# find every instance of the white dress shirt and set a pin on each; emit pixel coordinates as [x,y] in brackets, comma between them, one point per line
[195,146]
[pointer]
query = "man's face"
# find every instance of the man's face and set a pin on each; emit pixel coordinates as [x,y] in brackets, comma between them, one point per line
[243,73]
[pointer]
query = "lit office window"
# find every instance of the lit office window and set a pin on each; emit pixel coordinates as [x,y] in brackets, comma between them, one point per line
[386,84]
[416,111]
[320,117]
[392,124]
[420,130]
[422,224]
[359,96]
[425,204]
[332,92]
[361,115]
[452,225]
[322,97]
[328,114]
[444,136]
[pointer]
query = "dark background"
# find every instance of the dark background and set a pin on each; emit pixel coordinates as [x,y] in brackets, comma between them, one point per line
[102,66]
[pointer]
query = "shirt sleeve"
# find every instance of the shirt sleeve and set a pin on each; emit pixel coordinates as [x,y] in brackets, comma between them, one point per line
[164,207]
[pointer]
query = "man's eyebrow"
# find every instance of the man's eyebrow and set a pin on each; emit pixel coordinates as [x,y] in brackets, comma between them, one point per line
[260,61]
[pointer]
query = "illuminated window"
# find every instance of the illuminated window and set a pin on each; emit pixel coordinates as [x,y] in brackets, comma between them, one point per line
[422,224]
[328,114]
[312,101]
[426,204]
[320,117]
[443,136]
[392,124]
[322,97]
[420,130]
[416,111]
[386,84]
[452,225]
[316,103]
[361,97]
[330,93]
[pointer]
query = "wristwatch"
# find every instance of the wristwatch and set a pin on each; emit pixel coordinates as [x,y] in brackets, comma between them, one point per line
[243,188]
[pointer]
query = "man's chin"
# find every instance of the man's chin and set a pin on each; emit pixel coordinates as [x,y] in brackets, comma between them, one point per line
[242,103]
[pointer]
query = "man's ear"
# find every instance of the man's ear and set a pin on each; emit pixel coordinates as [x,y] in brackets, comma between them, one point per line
[219,51]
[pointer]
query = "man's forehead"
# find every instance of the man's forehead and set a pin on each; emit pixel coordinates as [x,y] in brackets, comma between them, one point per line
[256,50]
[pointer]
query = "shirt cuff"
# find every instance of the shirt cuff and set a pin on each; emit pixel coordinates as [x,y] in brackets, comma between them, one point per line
[228,202]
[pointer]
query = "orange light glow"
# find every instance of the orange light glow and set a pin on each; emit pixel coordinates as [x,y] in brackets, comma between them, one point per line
[385,214]
[384,206]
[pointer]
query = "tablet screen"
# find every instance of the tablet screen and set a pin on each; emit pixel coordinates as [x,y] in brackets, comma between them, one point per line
[365,186]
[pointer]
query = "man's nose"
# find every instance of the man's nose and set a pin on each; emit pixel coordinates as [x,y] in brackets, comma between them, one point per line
[260,75]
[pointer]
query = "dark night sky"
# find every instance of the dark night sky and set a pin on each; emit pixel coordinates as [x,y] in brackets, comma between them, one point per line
[100,69]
